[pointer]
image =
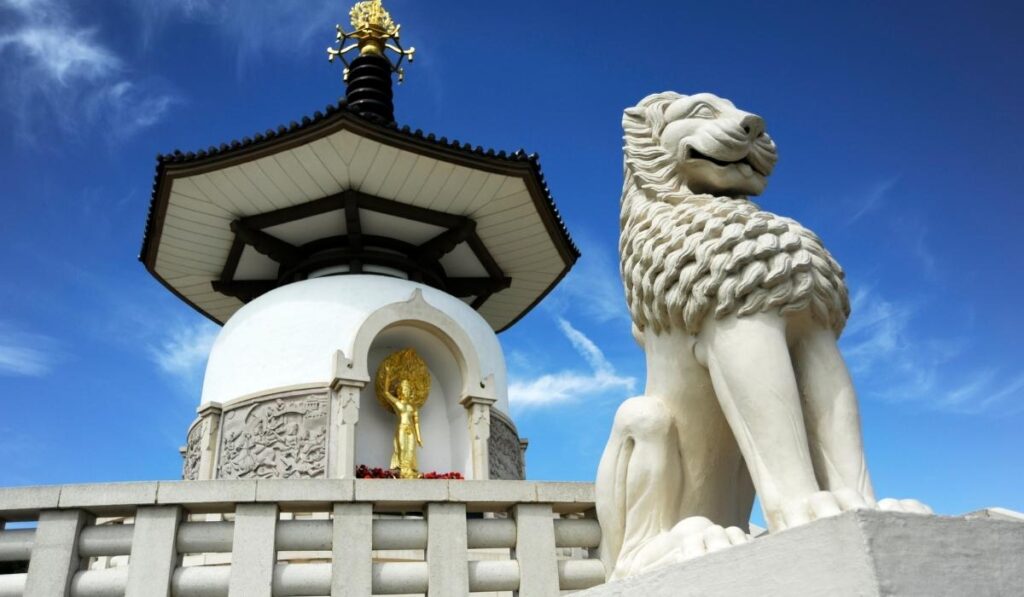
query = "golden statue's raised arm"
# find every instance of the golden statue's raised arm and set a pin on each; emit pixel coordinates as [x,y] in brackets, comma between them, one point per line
[391,398]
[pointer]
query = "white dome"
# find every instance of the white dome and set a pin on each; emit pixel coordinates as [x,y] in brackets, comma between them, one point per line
[288,337]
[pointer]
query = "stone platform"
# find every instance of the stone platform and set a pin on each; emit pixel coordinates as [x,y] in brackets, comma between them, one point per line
[864,553]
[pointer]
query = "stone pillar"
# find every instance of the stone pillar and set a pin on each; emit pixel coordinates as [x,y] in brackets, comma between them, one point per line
[535,550]
[253,554]
[55,558]
[523,445]
[447,551]
[345,391]
[352,570]
[154,556]
[209,441]
[344,417]
[479,417]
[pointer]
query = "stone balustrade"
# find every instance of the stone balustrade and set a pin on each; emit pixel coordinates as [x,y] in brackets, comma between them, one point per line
[347,521]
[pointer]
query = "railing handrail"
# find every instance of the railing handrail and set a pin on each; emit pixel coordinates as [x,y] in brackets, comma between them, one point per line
[387,495]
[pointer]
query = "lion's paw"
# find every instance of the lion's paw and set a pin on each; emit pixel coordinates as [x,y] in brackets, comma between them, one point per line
[821,504]
[696,536]
[690,538]
[906,506]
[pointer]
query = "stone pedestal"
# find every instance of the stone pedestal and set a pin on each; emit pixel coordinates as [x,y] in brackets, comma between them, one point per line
[863,553]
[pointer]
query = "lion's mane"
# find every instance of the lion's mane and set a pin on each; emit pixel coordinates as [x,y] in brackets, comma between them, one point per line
[684,256]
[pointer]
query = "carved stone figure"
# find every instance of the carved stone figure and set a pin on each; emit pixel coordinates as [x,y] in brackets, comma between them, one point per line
[402,387]
[504,451]
[275,439]
[190,470]
[738,311]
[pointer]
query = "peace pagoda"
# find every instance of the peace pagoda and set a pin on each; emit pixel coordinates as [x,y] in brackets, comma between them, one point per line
[328,245]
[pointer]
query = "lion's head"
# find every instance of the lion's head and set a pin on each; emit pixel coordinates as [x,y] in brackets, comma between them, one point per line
[701,143]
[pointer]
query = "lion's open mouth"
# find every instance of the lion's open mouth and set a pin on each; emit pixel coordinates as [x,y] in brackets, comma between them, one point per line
[695,154]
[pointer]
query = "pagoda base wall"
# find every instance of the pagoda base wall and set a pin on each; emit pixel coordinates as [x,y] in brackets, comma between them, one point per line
[288,435]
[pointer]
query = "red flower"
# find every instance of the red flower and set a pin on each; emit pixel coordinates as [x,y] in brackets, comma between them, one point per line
[365,472]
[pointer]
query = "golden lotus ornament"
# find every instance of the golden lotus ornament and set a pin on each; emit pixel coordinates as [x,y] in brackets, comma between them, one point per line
[402,386]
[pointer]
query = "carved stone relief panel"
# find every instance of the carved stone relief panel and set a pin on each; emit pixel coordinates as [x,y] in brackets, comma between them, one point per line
[275,438]
[506,458]
[193,451]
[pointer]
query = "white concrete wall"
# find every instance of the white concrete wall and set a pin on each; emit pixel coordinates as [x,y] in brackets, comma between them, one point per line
[288,336]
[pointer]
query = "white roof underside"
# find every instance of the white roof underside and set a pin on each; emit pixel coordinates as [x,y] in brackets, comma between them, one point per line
[196,235]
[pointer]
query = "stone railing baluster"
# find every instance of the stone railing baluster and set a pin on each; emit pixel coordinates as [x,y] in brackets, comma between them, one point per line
[352,570]
[55,558]
[253,554]
[154,556]
[447,553]
[535,550]
[173,521]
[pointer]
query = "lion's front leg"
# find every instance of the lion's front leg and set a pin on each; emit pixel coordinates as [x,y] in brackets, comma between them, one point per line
[753,378]
[830,412]
[833,418]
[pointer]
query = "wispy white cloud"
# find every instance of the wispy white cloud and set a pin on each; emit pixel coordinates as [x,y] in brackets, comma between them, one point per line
[25,354]
[916,234]
[252,27]
[571,384]
[58,71]
[64,55]
[1012,390]
[593,288]
[182,353]
[872,198]
[894,360]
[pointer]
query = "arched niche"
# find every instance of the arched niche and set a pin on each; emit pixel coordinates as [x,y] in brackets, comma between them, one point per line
[418,313]
[455,373]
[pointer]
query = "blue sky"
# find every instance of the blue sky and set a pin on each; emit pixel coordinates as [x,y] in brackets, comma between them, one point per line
[898,126]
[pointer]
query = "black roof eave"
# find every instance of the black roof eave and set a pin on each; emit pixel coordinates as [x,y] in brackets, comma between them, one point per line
[338,117]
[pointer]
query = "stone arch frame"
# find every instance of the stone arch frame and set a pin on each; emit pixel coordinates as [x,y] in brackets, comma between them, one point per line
[477,393]
[417,312]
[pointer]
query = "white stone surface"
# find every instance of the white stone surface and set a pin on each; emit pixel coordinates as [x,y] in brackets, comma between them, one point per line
[739,312]
[865,553]
[99,498]
[447,543]
[207,493]
[288,336]
[253,553]
[535,550]
[997,514]
[353,568]
[153,554]
[298,493]
[55,558]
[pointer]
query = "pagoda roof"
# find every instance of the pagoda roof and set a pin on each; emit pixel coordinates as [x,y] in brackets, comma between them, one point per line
[231,222]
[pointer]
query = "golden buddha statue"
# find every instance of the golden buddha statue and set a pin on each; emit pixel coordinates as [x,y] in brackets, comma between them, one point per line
[402,387]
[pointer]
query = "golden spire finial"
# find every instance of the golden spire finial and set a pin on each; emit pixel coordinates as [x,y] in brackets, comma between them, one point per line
[373,31]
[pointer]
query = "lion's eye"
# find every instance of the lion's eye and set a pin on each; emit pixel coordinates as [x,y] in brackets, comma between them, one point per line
[703,111]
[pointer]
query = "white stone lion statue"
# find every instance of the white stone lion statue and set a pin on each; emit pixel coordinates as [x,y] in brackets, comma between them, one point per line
[738,311]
